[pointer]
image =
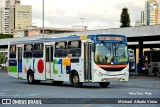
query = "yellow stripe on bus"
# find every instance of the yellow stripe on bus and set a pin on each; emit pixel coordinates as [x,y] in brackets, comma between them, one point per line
[83,37]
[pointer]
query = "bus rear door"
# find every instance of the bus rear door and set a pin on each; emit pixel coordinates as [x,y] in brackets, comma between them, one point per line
[48,60]
[20,75]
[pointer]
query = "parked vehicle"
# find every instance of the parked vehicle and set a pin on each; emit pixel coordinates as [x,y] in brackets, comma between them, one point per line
[152,62]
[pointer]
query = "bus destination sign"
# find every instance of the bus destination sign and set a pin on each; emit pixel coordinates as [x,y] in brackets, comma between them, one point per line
[117,38]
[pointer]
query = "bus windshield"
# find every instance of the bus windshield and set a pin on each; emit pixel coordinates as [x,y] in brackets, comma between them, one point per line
[111,53]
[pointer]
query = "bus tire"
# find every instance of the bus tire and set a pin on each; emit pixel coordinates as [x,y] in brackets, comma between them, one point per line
[75,80]
[57,83]
[104,84]
[30,78]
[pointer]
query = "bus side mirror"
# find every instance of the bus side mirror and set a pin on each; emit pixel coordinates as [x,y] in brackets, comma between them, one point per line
[93,47]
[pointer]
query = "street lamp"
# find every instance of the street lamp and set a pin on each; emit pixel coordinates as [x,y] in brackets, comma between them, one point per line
[82,22]
[43,16]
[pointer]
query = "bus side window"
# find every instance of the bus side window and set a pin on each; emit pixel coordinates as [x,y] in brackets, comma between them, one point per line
[74,48]
[60,49]
[28,51]
[12,53]
[38,50]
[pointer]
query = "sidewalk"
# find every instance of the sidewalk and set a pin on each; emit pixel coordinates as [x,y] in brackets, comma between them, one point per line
[144,77]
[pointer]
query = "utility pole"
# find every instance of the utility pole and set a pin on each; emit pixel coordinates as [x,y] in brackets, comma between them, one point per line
[82,23]
[43,16]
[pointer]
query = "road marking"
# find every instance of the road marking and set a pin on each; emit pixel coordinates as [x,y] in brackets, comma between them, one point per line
[33,95]
[106,106]
[87,105]
[7,95]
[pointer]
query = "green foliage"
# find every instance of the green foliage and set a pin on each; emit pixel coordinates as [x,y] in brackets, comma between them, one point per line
[2,58]
[125,18]
[3,36]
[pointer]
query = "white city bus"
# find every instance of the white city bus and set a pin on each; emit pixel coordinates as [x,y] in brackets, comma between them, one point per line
[98,58]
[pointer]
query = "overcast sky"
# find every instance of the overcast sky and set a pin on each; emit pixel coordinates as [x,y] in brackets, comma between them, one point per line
[98,14]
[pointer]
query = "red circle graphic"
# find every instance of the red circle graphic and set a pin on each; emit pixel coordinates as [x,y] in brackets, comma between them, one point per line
[40,66]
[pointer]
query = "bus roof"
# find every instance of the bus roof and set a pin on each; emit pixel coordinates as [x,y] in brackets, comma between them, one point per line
[56,39]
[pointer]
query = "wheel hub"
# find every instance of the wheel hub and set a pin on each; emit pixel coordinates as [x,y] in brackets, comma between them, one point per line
[30,78]
[75,79]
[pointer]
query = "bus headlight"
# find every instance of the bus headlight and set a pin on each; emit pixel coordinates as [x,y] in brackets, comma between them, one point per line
[126,73]
[99,73]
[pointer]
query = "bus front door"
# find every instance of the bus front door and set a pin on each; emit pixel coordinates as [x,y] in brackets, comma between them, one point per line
[48,60]
[87,61]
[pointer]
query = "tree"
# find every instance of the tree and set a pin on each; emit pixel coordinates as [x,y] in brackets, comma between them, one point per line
[3,36]
[125,19]
[2,58]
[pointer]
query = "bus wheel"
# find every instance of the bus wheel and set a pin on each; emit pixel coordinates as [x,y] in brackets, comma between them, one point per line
[75,80]
[104,84]
[57,82]
[30,78]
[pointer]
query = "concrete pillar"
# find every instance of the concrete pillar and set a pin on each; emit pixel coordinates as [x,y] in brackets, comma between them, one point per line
[135,55]
[140,65]
[136,62]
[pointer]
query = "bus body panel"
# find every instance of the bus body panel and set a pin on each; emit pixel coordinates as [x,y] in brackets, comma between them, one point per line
[79,68]
[13,68]
[57,69]
[27,65]
[48,69]
[39,68]
[13,64]
[100,75]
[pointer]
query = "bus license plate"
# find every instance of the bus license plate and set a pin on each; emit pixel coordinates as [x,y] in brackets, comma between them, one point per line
[113,79]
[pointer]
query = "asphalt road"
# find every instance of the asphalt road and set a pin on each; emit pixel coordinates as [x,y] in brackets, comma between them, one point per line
[136,87]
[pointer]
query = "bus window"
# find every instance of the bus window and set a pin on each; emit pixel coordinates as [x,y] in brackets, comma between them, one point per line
[28,50]
[74,48]
[60,49]
[38,50]
[12,51]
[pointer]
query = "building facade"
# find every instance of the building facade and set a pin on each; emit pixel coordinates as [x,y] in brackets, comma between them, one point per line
[2,3]
[138,23]
[9,3]
[151,12]
[158,1]
[8,15]
[20,16]
[4,20]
